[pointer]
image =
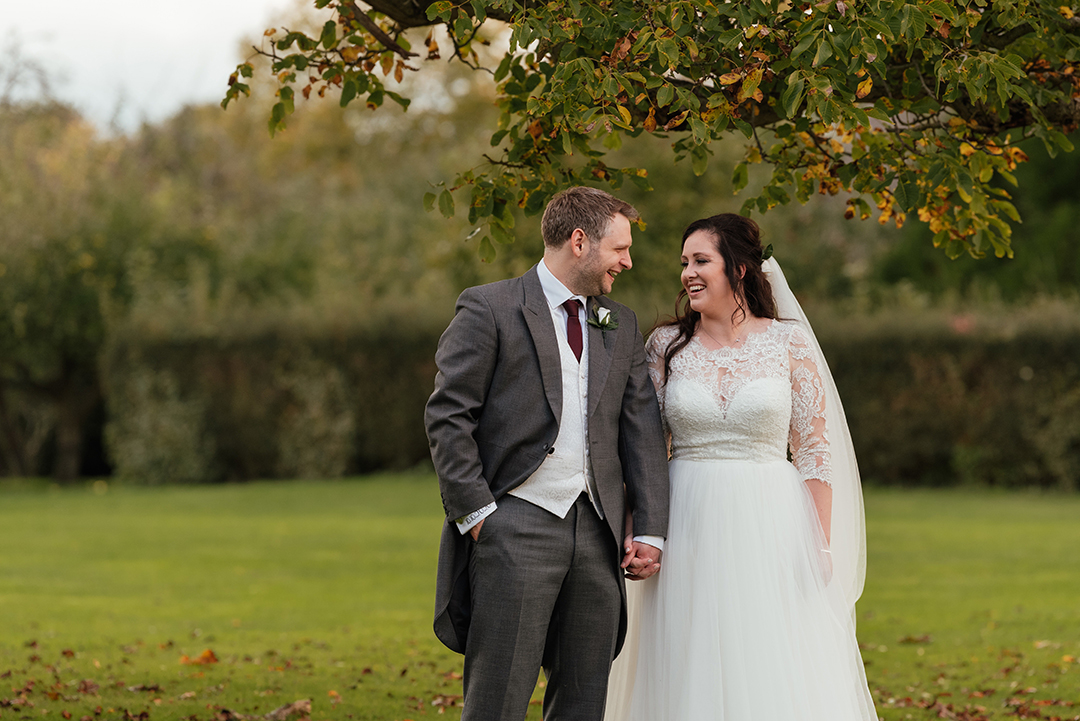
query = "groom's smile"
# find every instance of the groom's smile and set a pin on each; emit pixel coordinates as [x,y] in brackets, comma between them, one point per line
[606,258]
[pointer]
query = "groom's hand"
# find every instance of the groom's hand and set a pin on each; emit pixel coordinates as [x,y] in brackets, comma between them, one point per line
[641,560]
[475,530]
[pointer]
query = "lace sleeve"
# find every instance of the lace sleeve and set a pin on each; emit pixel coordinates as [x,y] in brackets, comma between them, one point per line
[807,437]
[655,347]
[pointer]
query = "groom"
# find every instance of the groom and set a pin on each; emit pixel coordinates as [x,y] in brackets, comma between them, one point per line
[544,427]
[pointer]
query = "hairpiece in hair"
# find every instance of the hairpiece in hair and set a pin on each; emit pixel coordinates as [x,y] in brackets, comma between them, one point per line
[767,253]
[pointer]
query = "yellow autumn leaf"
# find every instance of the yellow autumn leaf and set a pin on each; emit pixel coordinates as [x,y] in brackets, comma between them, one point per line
[1066,12]
[967,149]
[650,122]
[730,78]
[352,53]
[624,114]
[864,88]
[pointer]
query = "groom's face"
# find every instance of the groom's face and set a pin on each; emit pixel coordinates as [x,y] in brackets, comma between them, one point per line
[604,259]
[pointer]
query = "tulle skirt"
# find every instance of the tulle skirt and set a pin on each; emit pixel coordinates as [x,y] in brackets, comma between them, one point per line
[741,623]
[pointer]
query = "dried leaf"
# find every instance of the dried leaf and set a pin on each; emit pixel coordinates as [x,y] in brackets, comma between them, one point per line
[204,658]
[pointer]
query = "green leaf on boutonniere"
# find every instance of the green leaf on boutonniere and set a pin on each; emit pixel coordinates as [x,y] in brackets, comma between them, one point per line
[603,318]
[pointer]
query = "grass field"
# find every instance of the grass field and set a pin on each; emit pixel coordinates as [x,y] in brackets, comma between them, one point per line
[323,591]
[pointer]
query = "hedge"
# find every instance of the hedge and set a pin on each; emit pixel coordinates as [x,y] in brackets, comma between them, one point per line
[941,403]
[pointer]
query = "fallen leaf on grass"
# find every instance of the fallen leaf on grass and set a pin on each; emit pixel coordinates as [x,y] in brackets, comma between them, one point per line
[444,700]
[68,653]
[88,687]
[452,676]
[204,658]
[144,687]
[186,695]
[300,708]
[925,638]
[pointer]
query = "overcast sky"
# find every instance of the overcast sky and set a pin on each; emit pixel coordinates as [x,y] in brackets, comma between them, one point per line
[135,60]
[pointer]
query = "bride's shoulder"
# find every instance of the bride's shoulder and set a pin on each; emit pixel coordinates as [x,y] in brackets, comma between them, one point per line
[792,331]
[661,337]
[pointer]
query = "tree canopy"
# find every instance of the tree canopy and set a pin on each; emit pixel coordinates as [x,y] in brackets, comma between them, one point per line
[912,106]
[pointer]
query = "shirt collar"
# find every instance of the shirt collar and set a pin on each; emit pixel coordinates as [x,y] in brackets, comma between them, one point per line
[554,290]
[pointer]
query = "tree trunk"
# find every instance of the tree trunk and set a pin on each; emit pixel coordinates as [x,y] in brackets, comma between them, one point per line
[11,443]
[74,401]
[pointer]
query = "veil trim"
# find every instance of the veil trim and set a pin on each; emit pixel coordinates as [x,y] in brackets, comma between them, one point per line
[848,533]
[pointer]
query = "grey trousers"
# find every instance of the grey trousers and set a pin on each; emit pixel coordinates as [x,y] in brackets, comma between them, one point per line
[545,592]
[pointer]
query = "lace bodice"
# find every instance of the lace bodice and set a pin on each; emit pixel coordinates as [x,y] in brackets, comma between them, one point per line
[749,402]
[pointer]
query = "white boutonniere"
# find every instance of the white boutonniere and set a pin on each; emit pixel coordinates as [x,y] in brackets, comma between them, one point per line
[603,318]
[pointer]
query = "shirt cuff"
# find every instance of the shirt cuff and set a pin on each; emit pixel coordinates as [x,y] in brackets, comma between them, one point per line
[655,541]
[465,523]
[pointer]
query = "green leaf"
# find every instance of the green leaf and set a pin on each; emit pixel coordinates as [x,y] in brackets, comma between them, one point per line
[277,118]
[824,52]
[906,193]
[665,95]
[286,95]
[440,10]
[501,234]
[486,250]
[613,140]
[1009,209]
[669,53]
[804,45]
[793,95]
[740,177]
[446,204]
[504,67]
[329,35]
[699,159]
[348,92]
[535,202]
[429,202]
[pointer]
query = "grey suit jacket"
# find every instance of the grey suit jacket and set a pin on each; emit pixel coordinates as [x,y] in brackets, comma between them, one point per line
[495,412]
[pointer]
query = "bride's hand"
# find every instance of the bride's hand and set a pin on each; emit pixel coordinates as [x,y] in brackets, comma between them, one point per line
[641,561]
[628,550]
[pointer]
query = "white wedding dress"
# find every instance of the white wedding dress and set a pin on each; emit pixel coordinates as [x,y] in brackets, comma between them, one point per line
[744,622]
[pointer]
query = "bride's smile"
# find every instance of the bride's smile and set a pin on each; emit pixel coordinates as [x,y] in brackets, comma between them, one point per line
[704,276]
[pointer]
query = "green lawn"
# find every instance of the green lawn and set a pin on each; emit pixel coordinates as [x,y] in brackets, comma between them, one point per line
[324,591]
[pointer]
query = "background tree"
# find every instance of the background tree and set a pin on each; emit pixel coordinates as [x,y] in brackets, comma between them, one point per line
[912,106]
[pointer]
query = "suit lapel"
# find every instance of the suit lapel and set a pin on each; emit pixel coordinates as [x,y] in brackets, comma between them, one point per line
[601,346]
[537,316]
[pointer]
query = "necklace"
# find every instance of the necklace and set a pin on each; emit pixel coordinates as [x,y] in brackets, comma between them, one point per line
[738,338]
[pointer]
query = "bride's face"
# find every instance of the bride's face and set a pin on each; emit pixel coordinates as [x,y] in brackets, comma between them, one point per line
[703,275]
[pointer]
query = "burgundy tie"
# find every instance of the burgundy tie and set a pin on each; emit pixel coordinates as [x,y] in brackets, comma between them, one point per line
[573,326]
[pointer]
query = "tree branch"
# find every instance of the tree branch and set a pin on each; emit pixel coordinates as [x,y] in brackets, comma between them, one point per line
[413,13]
[350,10]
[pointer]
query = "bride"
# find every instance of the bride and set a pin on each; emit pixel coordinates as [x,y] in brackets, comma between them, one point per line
[752,616]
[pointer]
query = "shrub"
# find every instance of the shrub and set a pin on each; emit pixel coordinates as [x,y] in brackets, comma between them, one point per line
[933,398]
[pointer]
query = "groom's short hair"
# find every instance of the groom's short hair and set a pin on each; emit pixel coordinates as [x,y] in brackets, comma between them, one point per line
[589,209]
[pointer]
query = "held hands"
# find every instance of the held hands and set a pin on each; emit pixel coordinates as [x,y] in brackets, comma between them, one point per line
[641,559]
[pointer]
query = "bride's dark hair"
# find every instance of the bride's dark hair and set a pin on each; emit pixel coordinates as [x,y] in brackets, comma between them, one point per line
[738,241]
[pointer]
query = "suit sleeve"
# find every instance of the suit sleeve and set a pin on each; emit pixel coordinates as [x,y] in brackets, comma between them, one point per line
[466,362]
[642,448]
